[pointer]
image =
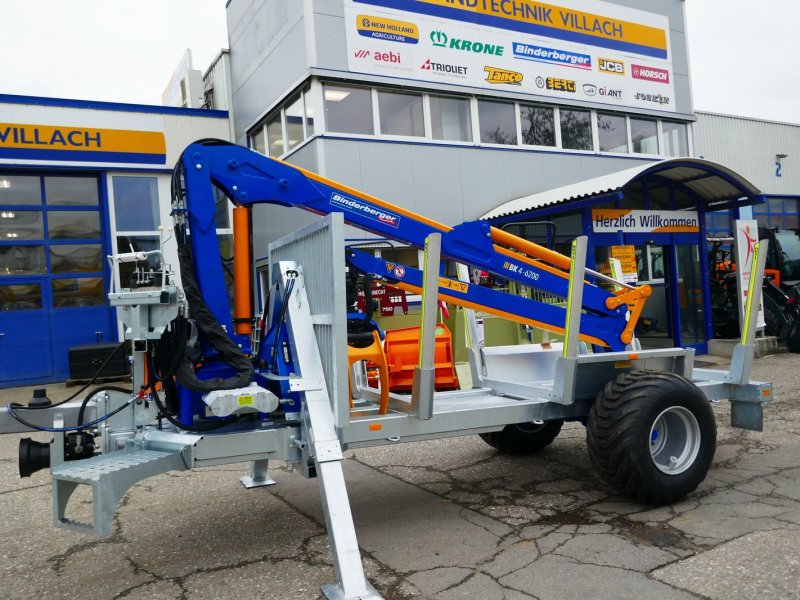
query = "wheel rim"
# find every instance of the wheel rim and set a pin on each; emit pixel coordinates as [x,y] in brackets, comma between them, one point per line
[531,427]
[674,440]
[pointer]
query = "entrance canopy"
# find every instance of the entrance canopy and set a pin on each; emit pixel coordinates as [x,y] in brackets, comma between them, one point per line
[712,184]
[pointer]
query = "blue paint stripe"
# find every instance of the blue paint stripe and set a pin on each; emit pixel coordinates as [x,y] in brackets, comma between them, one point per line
[511,25]
[83,155]
[117,106]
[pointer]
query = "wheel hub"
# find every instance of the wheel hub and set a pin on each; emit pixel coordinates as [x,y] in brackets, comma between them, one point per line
[674,440]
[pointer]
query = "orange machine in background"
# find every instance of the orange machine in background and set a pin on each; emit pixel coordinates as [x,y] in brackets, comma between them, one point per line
[402,356]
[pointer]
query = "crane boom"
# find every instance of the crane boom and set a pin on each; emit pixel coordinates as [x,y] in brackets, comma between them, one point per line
[248,178]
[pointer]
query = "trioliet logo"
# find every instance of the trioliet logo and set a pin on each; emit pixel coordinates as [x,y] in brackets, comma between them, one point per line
[495,76]
[450,69]
[612,67]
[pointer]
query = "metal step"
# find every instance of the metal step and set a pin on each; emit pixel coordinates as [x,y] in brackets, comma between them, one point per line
[110,476]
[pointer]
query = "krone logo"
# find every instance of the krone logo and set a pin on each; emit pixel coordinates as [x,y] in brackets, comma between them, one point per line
[495,76]
[439,38]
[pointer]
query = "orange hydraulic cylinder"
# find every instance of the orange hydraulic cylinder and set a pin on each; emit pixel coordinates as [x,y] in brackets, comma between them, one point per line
[242,281]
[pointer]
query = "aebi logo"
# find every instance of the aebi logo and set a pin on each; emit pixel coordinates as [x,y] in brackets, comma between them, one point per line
[361,53]
[388,57]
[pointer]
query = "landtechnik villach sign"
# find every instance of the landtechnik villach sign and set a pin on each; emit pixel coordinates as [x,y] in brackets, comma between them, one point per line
[77,143]
[601,52]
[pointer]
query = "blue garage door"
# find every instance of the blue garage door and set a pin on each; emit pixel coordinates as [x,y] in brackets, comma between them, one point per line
[52,274]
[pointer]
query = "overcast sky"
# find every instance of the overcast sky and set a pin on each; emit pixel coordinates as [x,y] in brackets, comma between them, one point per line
[744,53]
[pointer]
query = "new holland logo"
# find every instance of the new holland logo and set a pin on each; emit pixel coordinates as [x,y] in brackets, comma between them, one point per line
[390,30]
[495,76]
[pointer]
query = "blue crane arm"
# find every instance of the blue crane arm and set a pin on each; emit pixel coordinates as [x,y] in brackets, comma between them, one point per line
[248,177]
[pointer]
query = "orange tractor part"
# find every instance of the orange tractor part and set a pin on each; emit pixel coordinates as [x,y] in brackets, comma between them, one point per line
[402,356]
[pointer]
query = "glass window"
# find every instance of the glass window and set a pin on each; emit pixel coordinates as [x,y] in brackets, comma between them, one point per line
[76,258]
[257,140]
[658,197]
[644,136]
[71,191]
[221,206]
[73,224]
[20,190]
[348,109]
[136,203]
[20,296]
[275,135]
[401,113]
[309,113]
[86,291]
[497,122]
[676,141]
[451,119]
[22,260]
[612,133]
[294,123]
[21,225]
[576,129]
[138,243]
[538,125]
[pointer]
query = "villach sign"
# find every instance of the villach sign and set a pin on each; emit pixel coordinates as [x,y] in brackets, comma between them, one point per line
[86,144]
[568,40]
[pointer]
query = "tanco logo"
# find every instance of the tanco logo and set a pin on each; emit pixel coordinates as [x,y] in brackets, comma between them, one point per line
[440,39]
[495,75]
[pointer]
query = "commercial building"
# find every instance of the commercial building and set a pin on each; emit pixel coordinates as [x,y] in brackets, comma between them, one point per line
[455,108]
[80,180]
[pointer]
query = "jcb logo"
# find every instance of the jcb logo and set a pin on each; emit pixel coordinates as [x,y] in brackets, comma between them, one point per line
[612,67]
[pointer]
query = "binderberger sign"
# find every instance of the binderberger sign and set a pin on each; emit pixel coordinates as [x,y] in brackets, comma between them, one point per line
[615,55]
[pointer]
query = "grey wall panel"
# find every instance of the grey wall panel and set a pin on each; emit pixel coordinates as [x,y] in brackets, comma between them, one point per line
[438,183]
[331,42]
[268,55]
[342,161]
[749,147]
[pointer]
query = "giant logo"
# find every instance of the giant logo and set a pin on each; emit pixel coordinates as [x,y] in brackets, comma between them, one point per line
[364,209]
[649,73]
[552,56]
[441,40]
[495,76]
[389,30]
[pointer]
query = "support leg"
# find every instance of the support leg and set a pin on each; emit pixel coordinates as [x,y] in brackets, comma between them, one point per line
[259,475]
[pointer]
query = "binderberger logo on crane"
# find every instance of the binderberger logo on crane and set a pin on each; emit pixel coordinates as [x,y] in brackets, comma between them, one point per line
[365,210]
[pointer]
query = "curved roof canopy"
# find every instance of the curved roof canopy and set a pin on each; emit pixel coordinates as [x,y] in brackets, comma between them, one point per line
[717,186]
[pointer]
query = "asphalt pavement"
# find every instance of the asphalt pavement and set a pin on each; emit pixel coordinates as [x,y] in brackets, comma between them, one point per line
[441,519]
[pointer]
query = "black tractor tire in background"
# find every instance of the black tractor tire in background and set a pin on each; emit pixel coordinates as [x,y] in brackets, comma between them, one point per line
[524,438]
[652,436]
[793,337]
